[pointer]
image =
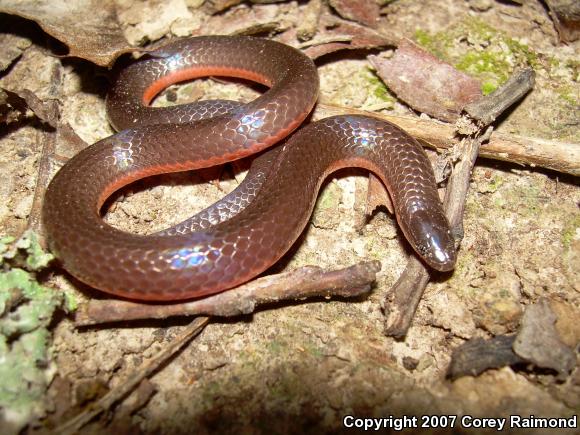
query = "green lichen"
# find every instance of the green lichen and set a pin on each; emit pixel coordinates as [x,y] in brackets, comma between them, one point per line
[312,349]
[499,202]
[26,311]
[423,38]
[375,247]
[491,69]
[495,184]
[277,346]
[329,198]
[25,252]
[569,94]
[437,44]
[464,261]
[325,215]
[487,88]
[377,87]
[522,52]
[479,50]
[569,232]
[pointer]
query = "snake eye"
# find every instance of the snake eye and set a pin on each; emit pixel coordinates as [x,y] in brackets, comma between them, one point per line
[422,249]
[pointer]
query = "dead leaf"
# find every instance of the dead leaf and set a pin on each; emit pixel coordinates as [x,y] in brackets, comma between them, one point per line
[88,27]
[246,21]
[366,12]
[340,35]
[538,340]
[14,105]
[307,26]
[566,16]
[426,83]
[152,20]
[215,6]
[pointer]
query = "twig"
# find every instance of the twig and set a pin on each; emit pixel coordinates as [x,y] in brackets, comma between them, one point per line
[49,139]
[529,151]
[399,311]
[124,389]
[325,40]
[407,291]
[477,355]
[458,186]
[486,110]
[301,283]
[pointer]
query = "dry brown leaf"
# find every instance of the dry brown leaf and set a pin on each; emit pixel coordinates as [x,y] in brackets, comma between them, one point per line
[46,111]
[566,16]
[340,35]
[154,19]
[538,340]
[14,105]
[307,25]
[246,21]
[426,83]
[366,12]
[88,27]
[215,6]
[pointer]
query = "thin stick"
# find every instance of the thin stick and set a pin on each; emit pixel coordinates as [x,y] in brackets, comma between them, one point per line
[123,390]
[49,139]
[486,110]
[528,151]
[408,290]
[305,282]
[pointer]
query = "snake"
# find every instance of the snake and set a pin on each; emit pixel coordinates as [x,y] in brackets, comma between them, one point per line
[250,229]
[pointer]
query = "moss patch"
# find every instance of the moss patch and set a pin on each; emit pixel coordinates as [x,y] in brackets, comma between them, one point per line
[479,50]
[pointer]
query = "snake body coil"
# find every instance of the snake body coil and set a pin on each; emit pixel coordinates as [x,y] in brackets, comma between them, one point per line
[250,229]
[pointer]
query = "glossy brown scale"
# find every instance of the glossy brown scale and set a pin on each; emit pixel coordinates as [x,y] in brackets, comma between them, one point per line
[250,229]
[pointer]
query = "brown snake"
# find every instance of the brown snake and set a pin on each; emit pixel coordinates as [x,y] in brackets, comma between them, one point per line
[249,230]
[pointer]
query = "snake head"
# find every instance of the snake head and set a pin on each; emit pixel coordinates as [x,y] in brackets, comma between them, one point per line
[430,235]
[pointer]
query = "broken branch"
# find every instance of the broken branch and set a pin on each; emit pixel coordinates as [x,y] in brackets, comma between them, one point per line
[409,288]
[125,388]
[305,282]
[486,110]
[529,151]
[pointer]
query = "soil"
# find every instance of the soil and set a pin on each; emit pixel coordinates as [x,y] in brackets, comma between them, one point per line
[304,366]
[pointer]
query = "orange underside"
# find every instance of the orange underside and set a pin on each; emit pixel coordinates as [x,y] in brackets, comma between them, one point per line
[180,76]
[200,71]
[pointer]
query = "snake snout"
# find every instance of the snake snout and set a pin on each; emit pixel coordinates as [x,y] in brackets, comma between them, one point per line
[433,240]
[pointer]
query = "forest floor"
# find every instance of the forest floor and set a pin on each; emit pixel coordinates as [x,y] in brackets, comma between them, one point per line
[303,366]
